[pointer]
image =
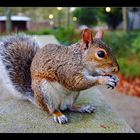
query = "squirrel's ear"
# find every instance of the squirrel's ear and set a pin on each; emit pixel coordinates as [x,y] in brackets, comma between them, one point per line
[87,38]
[99,34]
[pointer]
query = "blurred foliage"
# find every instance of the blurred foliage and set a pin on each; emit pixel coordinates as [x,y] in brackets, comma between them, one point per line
[112,18]
[86,15]
[45,31]
[123,43]
[136,46]
[126,47]
[66,36]
[37,13]
[130,68]
[91,15]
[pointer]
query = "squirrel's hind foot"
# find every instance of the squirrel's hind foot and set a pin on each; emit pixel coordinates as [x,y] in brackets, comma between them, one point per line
[59,117]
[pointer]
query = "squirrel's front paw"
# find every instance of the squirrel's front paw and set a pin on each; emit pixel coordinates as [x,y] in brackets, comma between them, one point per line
[111,81]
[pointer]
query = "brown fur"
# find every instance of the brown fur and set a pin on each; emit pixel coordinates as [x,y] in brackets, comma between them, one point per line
[65,64]
[62,64]
[39,98]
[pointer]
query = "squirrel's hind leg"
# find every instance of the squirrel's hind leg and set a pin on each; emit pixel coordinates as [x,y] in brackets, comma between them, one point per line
[39,95]
[47,100]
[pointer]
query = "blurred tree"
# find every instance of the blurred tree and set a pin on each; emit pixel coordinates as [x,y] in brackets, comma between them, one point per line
[125,18]
[68,16]
[112,18]
[8,19]
[41,13]
[86,15]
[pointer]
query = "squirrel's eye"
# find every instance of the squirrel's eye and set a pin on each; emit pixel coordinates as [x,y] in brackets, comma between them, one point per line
[101,54]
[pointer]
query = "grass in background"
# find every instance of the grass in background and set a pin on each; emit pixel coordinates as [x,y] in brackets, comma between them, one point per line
[126,47]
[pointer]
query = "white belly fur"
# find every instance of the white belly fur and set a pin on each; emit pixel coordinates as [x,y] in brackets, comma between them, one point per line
[59,97]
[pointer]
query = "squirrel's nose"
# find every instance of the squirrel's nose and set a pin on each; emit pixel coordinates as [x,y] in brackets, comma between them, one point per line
[115,69]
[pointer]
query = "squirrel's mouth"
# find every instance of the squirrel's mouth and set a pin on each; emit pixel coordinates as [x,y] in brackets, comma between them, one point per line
[101,73]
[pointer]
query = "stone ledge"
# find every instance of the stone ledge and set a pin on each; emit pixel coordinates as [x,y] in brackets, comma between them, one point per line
[46,39]
[18,116]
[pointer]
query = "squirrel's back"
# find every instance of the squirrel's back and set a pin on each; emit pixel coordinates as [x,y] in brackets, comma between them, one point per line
[16,54]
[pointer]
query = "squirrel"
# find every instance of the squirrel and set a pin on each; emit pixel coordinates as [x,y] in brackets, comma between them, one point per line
[52,77]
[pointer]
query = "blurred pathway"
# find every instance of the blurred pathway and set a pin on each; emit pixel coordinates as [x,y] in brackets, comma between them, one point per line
[127,106]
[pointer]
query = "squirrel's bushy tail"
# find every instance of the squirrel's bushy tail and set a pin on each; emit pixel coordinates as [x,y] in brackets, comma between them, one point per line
[16,54]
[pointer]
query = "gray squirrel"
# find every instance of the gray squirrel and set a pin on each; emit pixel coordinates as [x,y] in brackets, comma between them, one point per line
[53,76]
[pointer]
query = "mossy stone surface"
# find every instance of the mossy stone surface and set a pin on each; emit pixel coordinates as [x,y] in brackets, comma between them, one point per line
[18,116]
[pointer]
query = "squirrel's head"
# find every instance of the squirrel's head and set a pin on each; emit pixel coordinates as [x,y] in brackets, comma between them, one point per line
[98,56]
